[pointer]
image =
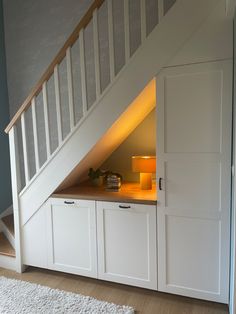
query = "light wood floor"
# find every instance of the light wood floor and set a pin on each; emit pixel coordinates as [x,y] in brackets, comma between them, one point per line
[144,301]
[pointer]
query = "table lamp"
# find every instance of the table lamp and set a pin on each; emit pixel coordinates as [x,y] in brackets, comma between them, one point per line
[145,165]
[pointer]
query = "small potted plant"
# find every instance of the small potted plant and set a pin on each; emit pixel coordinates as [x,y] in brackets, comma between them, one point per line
[96,176]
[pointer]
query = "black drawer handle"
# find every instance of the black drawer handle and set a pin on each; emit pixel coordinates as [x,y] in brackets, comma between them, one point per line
[124,207]
[68,203]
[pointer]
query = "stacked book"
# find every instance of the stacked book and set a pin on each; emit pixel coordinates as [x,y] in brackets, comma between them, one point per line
[113,183]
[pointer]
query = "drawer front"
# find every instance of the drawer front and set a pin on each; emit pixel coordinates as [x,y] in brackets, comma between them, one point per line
[127,243]
[72,236]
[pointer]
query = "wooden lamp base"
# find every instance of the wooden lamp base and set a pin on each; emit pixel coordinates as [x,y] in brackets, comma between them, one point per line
[145,181]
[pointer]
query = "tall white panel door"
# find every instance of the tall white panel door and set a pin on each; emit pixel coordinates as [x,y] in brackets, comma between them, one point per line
[72,236]
[194,171]
[127,243]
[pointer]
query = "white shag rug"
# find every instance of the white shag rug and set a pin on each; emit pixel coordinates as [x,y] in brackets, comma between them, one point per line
[20,297]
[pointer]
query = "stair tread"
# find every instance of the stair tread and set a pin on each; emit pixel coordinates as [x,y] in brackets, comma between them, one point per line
[9,223]
[5,246]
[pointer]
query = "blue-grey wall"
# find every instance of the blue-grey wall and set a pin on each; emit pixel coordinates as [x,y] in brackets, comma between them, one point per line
[5,181]
[35,30]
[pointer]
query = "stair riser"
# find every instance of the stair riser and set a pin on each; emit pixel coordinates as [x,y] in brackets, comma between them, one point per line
[7,212]
[7,233]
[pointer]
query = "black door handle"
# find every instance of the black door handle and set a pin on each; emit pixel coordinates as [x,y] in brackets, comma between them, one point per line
[160,184]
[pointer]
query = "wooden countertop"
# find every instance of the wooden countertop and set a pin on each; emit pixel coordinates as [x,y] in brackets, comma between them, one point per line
[129,192]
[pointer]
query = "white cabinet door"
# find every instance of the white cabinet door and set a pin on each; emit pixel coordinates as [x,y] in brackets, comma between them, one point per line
[127,244]
[72,236]
[194,151]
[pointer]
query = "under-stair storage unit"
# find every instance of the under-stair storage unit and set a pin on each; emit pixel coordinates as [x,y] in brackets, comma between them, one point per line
[89,227]
[127,243]
[38,152]
[72,236]
[123,234]
[88,231]
[99,237]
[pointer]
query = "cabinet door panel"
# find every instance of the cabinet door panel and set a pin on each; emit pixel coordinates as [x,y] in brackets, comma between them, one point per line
[185,255]
[73,237]
[186,177]
[192,117]
[127,244]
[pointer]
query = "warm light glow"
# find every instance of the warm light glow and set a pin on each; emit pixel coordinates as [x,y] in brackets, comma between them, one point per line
[141,106]
[145,165]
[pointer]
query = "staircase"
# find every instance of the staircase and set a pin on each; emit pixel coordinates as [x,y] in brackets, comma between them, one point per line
[98,88]
[7,242]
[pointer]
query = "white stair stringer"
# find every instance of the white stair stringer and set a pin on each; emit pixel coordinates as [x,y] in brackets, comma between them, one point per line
[161,45]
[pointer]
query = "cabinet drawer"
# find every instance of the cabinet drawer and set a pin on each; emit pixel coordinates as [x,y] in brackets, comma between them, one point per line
[127,243]
[72,236]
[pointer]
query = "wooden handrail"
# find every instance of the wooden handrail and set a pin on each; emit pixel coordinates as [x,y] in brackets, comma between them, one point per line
[59,57]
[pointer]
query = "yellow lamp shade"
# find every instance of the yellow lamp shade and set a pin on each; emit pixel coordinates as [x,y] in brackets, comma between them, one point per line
[146,164]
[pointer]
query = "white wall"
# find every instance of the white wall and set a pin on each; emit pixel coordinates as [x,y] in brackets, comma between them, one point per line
[230,7]
[212,41]
[142,141]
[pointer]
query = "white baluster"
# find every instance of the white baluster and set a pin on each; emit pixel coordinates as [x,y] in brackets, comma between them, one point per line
[46,120]
[143,20]
[35,134]
[16,187]
[70,88]
[127,33]
[25,149]
[111,40]
[58,104]
[96,53]
[160,10]
[83,72]
[15,161]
